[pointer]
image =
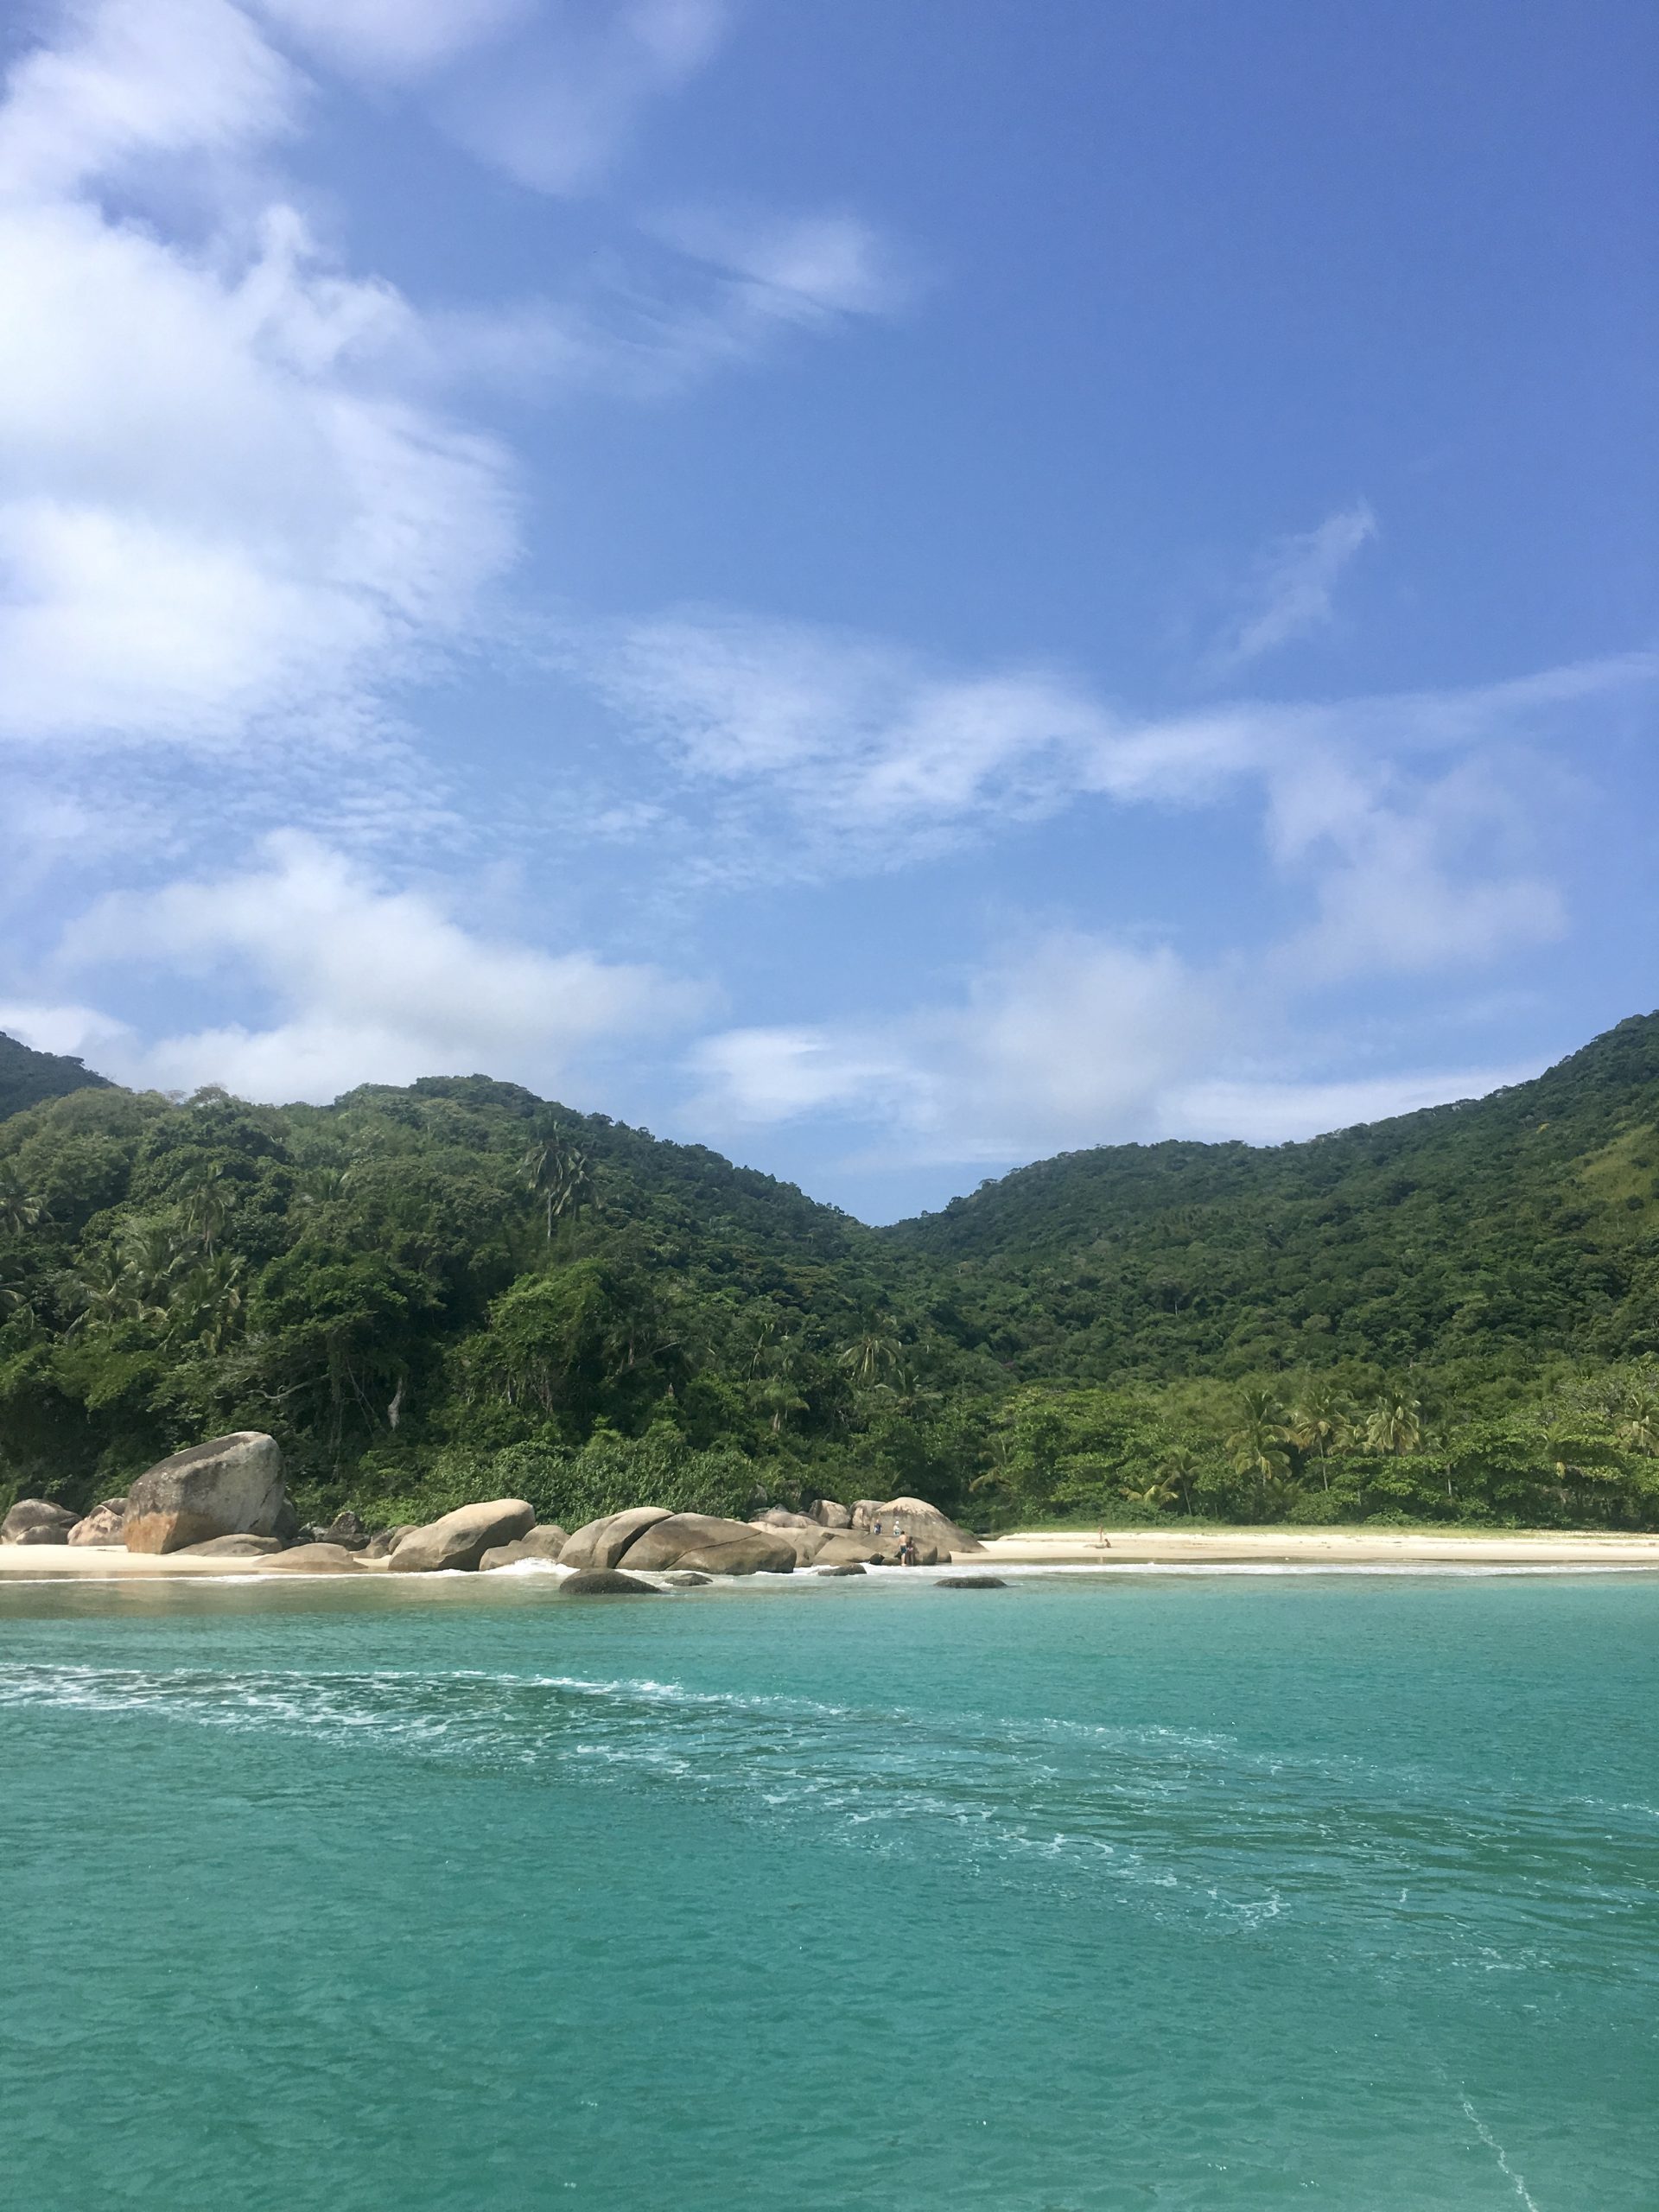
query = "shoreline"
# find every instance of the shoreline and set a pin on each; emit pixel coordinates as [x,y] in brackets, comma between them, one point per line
[1313,1546]
[1300,1547]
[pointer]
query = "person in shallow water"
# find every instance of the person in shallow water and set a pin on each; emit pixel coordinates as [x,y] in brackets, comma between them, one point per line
[908,1554]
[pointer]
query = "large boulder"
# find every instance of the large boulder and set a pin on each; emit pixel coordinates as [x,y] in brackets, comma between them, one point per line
[805,1538]
[601,1543]
[777,1516]
[606,1582]
[462,1538]
[544,1542]
[103,1525]
[711,1546]
[36,1521]
[915,1518]
[849,1547]
[230,1487]
[311,1558]
[386,1539]
[843,1548]
[235,1547]
[345,1529]
[830,1513]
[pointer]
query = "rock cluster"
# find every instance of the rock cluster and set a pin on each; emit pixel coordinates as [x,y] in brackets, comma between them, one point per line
[224,1499]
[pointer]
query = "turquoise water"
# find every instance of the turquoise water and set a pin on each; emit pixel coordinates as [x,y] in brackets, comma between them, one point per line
[1095,1893]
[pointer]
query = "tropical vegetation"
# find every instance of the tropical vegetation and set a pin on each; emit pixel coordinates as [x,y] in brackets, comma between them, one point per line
[457,1289]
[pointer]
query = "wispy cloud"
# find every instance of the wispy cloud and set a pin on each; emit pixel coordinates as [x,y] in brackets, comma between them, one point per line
[654,321]
[557,108]
[1291,590]
[824,753]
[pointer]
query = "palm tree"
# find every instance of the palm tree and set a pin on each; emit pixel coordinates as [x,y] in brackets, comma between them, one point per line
[907,1388]
[207,1206]
[560,1175]
[1158,1492]
[1257,1445]
[869,1357]
[1394,1422]
[18,1209]
[1177,1471]
[1320,1423]
[1639,1429]
[206,1304]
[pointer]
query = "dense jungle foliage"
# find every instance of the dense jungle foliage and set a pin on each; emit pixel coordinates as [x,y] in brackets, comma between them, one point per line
[457,1290]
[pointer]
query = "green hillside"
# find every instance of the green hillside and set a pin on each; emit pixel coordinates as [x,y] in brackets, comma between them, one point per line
[28,1077]
[457,1289]
[1487,1234]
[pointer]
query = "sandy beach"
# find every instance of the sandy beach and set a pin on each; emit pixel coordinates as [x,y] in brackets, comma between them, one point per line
[1334,1547]
[1038,1547]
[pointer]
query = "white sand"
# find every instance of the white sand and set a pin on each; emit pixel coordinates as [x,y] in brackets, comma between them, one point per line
[1031,1547]
[1356,1547]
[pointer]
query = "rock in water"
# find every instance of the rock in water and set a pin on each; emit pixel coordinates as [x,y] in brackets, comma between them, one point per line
[849,1567]
[972,1582]
[36,1521]
[682,1578]
[605,1582]
[711,1546]
[601,1543]
[462,1538]
[103,1524]
[312,1559]
[545,1542]
[230,1487]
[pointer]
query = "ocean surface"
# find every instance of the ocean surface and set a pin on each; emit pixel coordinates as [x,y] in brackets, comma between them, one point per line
[1101,1890]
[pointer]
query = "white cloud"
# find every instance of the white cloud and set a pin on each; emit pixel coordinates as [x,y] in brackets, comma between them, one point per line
[1070,1039]
[395,41]
[1291,591]
[559,109]
[131,78]
[366,983]
[1074,1041]
[1264,1111]
[80,1030]
[217,505]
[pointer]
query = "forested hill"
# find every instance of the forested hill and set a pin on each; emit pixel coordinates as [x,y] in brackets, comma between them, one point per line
[28,1077]
[1492,1232]
[456,1290]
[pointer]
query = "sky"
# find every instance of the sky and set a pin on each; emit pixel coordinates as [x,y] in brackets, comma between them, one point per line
[893,588]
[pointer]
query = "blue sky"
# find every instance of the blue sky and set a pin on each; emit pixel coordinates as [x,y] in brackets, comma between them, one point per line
[892,587]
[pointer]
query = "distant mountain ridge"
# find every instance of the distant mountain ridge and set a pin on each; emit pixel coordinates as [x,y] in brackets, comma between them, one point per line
[26,1077]
[1531,1215]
